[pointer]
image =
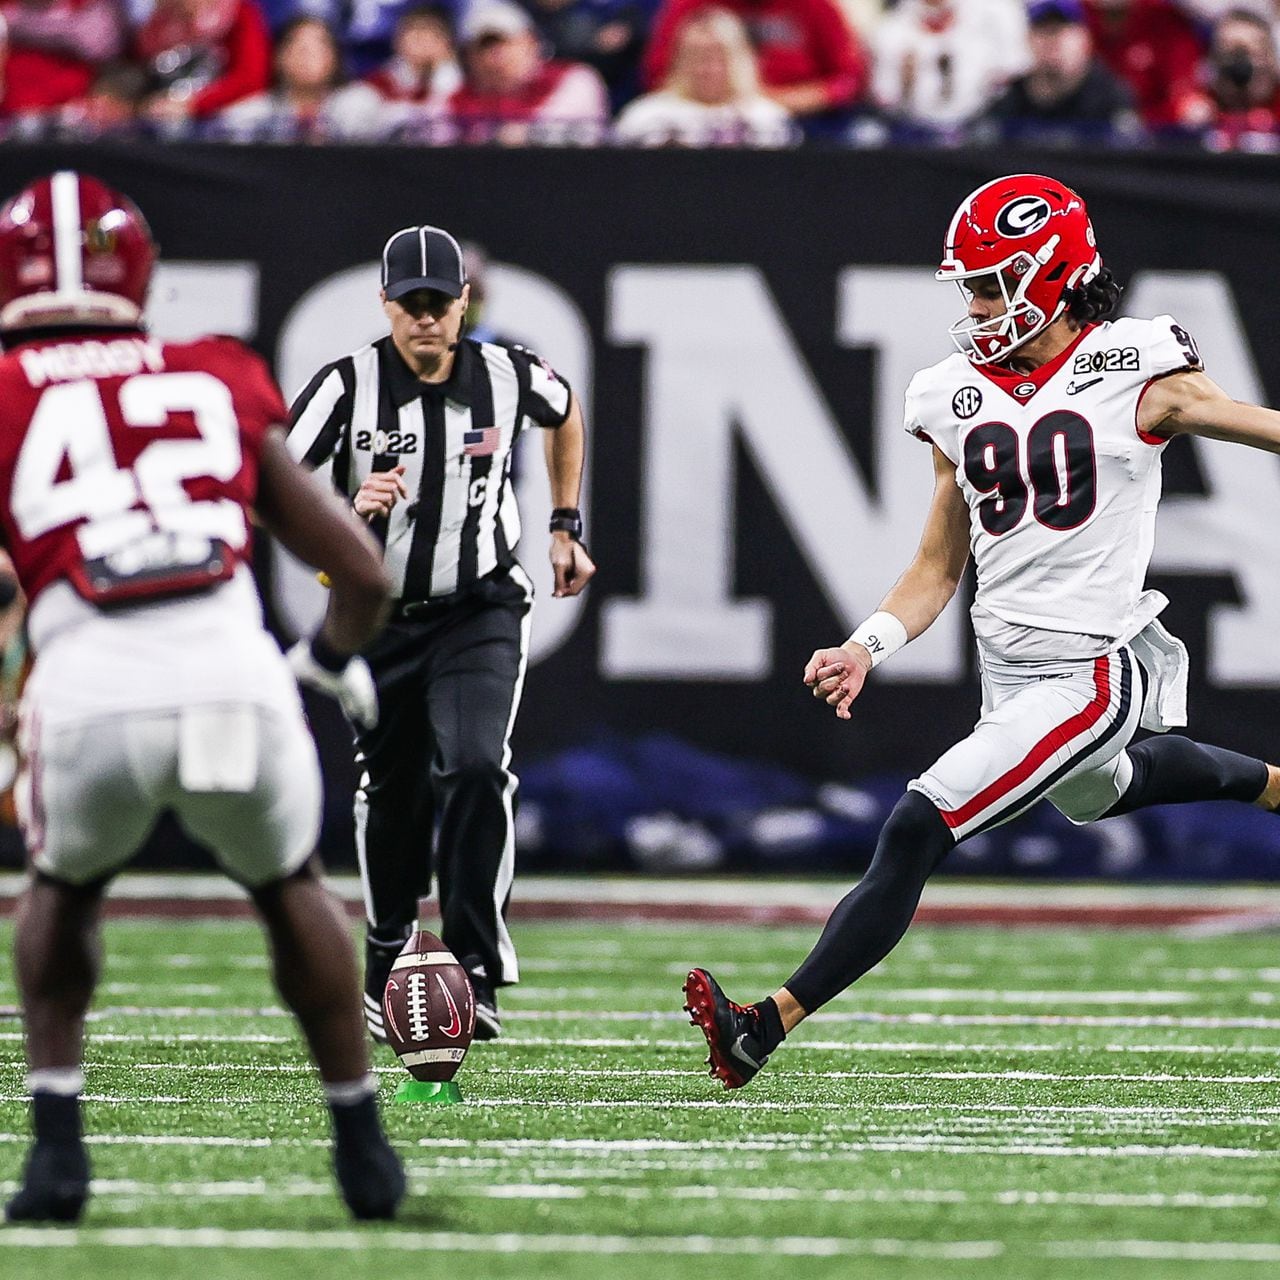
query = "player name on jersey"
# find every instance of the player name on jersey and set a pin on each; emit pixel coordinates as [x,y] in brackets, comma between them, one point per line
[64,361]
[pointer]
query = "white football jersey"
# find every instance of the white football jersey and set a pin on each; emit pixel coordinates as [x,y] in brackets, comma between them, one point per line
[1061,486]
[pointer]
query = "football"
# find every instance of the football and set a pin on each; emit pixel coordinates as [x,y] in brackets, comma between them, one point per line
[429,1009]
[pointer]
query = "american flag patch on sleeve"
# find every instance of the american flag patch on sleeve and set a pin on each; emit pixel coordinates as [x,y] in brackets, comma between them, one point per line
[480,444]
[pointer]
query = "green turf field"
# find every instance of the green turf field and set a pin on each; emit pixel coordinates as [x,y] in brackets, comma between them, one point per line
[989,1104]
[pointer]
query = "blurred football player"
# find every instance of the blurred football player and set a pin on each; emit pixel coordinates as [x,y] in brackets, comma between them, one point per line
[1047,431]
[130,469]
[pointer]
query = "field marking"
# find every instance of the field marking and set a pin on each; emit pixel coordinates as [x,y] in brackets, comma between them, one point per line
[880,1018]
[1168,1250]
[889,1046]
[794,1145]
[1063,1077]
[118,1189]
[517,1242]
[629,1073]
[501,1242]
[909,995]
[108,1037]
[690,1042]
[1189,1117]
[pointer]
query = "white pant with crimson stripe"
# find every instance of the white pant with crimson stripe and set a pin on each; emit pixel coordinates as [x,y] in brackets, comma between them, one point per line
[1057,733]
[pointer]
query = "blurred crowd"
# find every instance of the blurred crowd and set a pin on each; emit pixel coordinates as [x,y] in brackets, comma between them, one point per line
[763,73]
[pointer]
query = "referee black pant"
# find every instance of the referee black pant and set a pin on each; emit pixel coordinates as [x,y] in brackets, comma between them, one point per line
[435,790]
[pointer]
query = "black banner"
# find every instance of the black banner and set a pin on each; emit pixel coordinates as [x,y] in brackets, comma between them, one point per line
[742,326]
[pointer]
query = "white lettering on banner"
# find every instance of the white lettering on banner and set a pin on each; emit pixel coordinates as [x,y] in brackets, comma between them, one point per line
[1232,528]
[343,312]
[722,364]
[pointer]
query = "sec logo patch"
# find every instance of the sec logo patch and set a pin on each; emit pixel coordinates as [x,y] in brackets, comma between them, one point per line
[966,402]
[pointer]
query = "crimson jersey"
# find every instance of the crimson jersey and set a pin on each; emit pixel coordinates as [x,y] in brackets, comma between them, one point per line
[128,465]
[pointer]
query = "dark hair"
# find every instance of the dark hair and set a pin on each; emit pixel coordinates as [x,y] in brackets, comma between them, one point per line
[440,14]
[291,28]
[1096,300]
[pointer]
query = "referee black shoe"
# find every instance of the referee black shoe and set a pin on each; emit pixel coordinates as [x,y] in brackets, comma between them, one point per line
[735,1033]
[55,1184]
[488,1024]
[379,955]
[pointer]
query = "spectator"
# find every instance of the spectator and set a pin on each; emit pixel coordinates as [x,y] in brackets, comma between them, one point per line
[203,55]
[55,50]
[423,69]
[308,100]
[1241,107]
[1154,48]
[810,60]
[1067,96]
[475,262]
[368,27]
[941,63]
[513,94]
[110,108]
[712,93]
[606,34]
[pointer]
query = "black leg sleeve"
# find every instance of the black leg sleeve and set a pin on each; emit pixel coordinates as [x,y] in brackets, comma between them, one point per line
[1175,770]
[869,921]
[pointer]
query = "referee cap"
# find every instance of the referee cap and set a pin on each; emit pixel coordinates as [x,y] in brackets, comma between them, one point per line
[422,258]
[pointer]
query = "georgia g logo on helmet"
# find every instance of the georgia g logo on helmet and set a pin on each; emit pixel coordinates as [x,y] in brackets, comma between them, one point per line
[1023,216]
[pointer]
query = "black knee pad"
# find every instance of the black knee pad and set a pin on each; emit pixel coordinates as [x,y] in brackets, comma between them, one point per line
[915,833]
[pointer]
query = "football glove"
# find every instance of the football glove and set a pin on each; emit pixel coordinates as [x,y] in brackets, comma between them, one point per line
[352,686]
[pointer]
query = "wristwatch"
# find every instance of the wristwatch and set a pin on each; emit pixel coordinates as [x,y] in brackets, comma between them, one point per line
[567,520]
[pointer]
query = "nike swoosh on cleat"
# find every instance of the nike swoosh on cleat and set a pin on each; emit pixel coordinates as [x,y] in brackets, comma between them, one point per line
[741,1054]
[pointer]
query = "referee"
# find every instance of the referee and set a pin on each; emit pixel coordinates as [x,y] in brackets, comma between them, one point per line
[416,430]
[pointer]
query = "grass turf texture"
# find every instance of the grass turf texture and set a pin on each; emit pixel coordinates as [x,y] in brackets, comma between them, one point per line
[987,1103]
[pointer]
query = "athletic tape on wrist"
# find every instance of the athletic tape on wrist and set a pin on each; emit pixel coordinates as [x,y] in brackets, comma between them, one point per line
[881,635]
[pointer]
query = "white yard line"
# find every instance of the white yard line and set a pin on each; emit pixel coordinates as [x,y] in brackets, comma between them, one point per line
[118,1189]
[795,1145]
[1056,1047]
[503,1242]
[749,891]
[872,1017]
[1168,1250]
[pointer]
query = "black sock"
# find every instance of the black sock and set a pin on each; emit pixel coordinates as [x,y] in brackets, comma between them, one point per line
[770,1024]
[55,1118]
[1174,770]
[355,1121]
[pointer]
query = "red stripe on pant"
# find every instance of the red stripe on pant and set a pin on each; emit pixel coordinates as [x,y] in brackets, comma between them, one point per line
[1079,723]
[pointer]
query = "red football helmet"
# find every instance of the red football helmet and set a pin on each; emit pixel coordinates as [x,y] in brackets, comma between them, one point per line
[72,252]
[1034,236]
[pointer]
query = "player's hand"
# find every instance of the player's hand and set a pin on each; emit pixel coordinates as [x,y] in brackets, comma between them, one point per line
[837,676]
[352,687]
[572,565]
[380,492]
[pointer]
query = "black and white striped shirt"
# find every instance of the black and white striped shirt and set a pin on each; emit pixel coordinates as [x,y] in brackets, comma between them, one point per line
[369,412]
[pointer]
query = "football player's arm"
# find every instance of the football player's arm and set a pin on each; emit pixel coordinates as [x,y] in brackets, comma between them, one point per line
[12,602]
[321,532]
[565,447]
[916,599]
[1192,404]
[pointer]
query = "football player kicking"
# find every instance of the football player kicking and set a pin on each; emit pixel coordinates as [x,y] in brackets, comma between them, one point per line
[129,469]
[1047,432]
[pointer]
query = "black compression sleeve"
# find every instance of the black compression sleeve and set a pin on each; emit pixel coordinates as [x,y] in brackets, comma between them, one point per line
[1175,770]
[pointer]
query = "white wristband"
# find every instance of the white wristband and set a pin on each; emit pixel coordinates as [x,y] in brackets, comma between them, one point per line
[881,635]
